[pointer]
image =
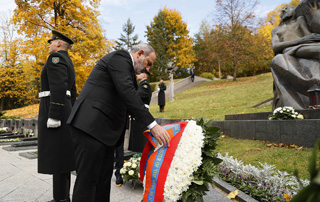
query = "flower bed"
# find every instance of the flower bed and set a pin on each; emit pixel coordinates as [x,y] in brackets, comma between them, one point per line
[263,184]
[130,170]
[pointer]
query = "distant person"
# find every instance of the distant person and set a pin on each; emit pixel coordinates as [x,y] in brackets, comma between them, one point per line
[192,75]
[137,139]
[58,94]
[99,116]
[161,95]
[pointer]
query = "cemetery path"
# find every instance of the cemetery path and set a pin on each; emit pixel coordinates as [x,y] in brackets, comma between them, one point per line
[179,87]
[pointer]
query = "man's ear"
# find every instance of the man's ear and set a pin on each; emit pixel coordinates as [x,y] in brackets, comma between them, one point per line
[59,43]
[140,53]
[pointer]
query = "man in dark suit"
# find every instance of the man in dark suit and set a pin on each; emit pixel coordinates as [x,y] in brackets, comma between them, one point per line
[99,116]
[137,140]
[58,94]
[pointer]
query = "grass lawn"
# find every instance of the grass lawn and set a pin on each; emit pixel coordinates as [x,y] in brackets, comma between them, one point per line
[215,99]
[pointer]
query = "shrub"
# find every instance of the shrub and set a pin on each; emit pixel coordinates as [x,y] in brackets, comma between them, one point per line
[207,75]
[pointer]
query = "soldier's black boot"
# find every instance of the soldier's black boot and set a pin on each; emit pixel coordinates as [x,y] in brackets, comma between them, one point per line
[61,187]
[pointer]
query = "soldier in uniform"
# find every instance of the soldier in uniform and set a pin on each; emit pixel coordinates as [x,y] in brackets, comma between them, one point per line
[57,96]
[161,95]
[137,140]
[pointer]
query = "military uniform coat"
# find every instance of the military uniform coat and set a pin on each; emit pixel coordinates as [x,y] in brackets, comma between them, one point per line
[137,139]
[161,94]
[55,147]
[108,96]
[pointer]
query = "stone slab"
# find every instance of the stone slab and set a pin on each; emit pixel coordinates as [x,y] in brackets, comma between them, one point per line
[307,113]
[29,155]
[242,197]
[10,148]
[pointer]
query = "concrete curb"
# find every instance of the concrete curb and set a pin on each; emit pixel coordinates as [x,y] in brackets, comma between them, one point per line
[226,187]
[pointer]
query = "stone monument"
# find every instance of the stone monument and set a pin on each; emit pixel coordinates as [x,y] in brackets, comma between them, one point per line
[296,44]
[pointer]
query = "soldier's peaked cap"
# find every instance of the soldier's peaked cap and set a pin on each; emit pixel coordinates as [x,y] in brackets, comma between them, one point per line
[59,35]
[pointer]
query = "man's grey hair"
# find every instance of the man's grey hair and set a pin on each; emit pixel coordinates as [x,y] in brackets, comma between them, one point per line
[147,48]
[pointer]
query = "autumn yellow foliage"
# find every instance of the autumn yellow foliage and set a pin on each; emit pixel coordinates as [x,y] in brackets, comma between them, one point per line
[77,18]
[30,111]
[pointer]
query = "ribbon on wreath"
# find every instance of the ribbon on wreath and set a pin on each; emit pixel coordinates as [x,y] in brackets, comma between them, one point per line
[154,165]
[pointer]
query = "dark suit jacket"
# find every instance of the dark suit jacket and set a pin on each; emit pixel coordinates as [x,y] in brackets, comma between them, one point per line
[145,91]
[107,97]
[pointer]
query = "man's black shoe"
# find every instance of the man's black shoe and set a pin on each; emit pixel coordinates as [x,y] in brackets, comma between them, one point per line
[119,179]
[65,200]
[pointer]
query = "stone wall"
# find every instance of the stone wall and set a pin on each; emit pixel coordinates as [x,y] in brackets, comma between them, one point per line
[300,132]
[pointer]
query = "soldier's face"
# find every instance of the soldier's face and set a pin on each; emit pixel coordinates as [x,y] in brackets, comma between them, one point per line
[53,47]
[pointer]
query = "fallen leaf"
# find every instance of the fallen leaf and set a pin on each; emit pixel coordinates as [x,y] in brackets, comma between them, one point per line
[118,185]
[259,149]
[287,197]
[299,148]
[269,145]
[293,146]
[233,194]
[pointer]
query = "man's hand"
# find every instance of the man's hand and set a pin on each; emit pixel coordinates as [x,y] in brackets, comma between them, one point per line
[53,123]
[161,135]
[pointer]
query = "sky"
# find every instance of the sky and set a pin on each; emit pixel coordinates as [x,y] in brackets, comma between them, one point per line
[115,13]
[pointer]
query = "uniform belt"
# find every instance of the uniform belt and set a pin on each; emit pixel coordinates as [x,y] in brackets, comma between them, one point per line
[47,93]
[147,106]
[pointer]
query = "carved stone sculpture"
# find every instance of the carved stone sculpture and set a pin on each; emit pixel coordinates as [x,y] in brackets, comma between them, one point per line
[296,67]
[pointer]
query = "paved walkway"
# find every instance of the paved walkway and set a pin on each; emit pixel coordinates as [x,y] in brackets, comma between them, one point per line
[179,86]
[20,182]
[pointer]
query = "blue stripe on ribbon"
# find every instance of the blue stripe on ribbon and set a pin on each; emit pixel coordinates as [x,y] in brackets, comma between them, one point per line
[158,162]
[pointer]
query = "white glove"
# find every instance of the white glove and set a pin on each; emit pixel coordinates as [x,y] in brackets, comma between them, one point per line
[53,123]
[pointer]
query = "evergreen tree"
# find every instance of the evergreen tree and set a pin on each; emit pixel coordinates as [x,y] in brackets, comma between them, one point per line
[126,42]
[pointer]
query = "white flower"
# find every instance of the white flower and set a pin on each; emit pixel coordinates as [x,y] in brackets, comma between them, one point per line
[134,165]
[122,171]
[300,116]
[131,172]
[186,160]
[129,164]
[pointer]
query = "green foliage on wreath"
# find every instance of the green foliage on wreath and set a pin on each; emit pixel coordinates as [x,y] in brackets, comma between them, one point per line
[311,192]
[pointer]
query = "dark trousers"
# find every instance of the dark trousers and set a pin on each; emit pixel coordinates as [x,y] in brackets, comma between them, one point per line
[161,108]
[94,166]
[119,159]
[61,186]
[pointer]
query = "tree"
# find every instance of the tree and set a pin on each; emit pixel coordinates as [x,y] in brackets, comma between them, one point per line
[12,81]
[77,18]
[208,46]
[168,35]
[236,17]
[126,42]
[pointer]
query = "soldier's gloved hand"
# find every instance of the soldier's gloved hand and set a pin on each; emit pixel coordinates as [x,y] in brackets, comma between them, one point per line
[53,123]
